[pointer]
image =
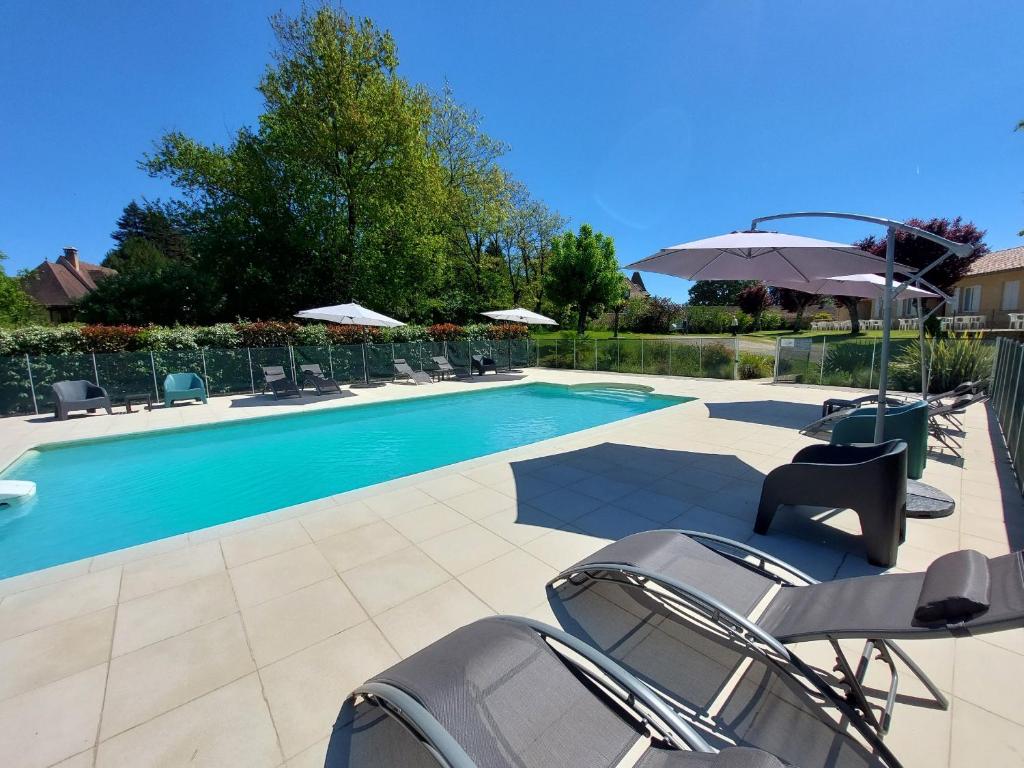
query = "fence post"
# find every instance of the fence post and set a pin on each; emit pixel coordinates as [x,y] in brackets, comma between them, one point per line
[574,353]
[595,353]
[670,345]
[31,384]
[821,372]
[775,368]
[152,367]
[95,370]
[1016,390]
[736,358]
[618,356]
[291,361]
[641,354]
[556,353]
[252,378]
[330,360]
[871,371]
[206,378]
[700,355]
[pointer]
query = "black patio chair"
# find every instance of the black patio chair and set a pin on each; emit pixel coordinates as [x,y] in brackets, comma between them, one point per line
[869,479]
[482,364]
[78,395]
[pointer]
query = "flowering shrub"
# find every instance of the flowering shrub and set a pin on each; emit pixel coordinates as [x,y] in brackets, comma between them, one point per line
[501,331]
[270,333]
[445,332]
[354,334]
[110,338]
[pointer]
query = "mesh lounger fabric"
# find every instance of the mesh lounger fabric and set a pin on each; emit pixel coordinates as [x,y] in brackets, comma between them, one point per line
[365,735]
[510,701]
[668,553]
[734,757]
[691,665]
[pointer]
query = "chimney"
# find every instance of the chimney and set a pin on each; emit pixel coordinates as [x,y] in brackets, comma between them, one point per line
[71,256]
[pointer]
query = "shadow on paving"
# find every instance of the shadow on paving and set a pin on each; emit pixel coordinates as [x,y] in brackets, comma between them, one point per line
[772,413]
[256,401]
[616,490]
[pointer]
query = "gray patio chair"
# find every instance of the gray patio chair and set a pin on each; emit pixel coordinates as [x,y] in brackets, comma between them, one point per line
[482,364]
[504,693]
[869,479]
[445,368]
[403,371]
[312,374]
[278,382]
[78,396]
[765,603]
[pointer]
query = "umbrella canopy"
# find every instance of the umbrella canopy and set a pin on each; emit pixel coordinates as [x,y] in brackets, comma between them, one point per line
[867,286]
[349,314]
[756,255]
[519,315]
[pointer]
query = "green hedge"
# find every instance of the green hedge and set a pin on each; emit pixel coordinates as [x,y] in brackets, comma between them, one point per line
[74,339]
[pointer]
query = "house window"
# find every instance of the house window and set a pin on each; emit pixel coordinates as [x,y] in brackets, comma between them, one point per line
[970,299]
[1011,295]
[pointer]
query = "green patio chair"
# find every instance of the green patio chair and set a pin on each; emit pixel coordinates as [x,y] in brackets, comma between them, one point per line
[908,423]
[183,386]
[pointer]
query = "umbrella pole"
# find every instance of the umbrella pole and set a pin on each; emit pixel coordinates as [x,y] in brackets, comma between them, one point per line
[883,374]
[920,343]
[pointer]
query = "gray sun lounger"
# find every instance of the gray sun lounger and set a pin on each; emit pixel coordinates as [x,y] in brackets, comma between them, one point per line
[404,371]
[314,375]
[279,383]
[762,601]
[869,479]
[445,368]
[78,396]
[502,693]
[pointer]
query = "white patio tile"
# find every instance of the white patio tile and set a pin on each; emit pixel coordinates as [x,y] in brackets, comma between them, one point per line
[560,549]
[425,618]
[510,584]
[464,548]
[480,503]
[227,728]
[306,690]
[519,525]
[983,738]
[447,486]
[393,579]
[277,575]
[391,503]
[427,522]
[262,542]
[172,611]
[338,518]
[46,725]
[159,677]
[348,550]
[299,619]
[153,574]
[982,672]
[36,608]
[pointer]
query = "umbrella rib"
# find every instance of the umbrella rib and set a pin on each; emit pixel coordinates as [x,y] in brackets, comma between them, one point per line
[708,264]
[796,269]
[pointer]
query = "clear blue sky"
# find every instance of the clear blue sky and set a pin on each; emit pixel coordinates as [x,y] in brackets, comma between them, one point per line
[656,123]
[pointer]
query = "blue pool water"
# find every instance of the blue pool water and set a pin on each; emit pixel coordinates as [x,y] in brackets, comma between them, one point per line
[101,495]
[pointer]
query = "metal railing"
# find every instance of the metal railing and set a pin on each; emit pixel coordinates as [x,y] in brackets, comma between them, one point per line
[1008,400]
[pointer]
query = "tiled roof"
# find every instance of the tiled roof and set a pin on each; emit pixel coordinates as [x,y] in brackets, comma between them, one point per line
[58,284]
[999,261]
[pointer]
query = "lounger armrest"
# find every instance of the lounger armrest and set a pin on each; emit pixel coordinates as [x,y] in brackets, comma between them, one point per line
[848,453]
[92,390]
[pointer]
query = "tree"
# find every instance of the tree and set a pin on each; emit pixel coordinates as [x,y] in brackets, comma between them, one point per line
[851,304]
[754,300]
[582,272]
[717,293]
[147,235]
[167,294]
[794,301]
[918,253]
[16,306]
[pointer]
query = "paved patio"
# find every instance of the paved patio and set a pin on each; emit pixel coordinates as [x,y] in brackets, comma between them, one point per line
[235,645]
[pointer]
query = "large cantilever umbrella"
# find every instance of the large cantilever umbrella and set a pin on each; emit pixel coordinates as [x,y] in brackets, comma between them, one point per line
[756,255]
[351,314]
[519,315]
[869,286]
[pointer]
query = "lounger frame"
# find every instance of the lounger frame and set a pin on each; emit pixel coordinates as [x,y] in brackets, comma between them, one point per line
[854,704]
[634,697]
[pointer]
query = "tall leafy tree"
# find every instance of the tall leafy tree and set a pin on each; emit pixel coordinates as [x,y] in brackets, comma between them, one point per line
[717,293]
[754,300]
[794,301]
[582,273]
[331,198]
[16,306]
[147,236]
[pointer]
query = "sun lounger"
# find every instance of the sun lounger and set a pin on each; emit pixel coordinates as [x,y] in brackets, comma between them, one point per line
[482,364]
[506,692]
[278,382]
[869,479]
[314,375]
[445,368]
[762,601]
[78,396]
[835,410]
[183,386]
[943,421]
[403,371]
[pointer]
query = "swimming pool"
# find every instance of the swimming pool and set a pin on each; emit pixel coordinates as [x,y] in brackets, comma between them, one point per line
[100,495]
